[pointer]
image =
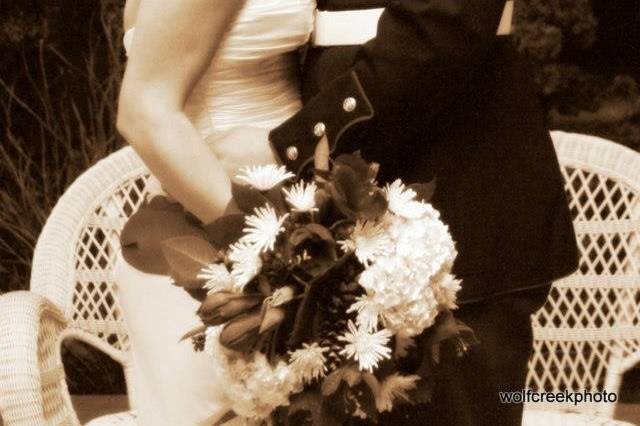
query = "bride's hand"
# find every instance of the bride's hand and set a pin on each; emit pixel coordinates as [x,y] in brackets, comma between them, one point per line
[242,146]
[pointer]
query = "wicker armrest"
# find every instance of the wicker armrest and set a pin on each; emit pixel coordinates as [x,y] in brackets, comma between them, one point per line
[33,390]
[536,417]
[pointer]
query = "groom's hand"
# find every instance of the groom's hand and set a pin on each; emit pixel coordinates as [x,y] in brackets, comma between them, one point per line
[242,146]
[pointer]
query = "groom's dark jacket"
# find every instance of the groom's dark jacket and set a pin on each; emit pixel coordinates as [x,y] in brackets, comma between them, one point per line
[438,94]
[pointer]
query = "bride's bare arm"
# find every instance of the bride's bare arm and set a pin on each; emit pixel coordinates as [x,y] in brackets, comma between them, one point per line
[130,13]
[174,43]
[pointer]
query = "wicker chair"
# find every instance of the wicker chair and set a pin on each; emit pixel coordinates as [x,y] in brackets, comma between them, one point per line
[588,333]
[72,288]
[72,294]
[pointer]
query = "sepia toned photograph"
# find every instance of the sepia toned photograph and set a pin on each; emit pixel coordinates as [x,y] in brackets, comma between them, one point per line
[319,212]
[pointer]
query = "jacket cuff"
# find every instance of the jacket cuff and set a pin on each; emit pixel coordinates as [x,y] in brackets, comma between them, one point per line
[340,105]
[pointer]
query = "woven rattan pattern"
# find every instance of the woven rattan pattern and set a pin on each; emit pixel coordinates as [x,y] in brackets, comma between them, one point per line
[588,332]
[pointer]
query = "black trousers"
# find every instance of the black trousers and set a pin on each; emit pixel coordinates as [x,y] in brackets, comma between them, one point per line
[467,394]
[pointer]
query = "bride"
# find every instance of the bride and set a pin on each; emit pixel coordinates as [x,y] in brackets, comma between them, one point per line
[197,70]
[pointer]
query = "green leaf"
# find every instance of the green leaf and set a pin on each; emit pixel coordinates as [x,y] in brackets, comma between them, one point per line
[247,198]
[311,231]
[354,195]
[186,257]
[372,206]
[349,185]
[352,375]
[225,230]
[198,294]
[362,393]
[304,316]
[331,383]
[194,332]
[425,190]
[356,163]
[145,231]
[308,308]
[299,236]
[446,328]
[317,241]
[321,231]
[348,374]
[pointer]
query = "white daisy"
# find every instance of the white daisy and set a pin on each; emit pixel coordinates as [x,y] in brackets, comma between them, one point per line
[368,313]
[218,278]
[402,201]
[246,263]
[263,227]
[309,362]
[369,240]
[263,178]
[392,388]
[368,349]
[302,197]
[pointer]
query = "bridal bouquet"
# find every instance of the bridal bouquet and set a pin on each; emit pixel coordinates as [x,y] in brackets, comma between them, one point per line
[322,300]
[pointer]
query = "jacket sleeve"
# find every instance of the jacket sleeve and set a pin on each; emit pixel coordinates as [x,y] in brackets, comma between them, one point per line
[421,60]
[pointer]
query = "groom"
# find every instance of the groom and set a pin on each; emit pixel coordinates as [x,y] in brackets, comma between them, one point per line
[439,91]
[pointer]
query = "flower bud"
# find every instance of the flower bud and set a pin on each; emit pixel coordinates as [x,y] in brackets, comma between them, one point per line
[272,318]
[220,307]
[214,300]
[240,332]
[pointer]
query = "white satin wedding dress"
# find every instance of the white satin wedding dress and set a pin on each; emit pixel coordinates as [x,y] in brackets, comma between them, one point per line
[252,81]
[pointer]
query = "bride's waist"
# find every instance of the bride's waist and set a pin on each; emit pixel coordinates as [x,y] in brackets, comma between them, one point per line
[247,93]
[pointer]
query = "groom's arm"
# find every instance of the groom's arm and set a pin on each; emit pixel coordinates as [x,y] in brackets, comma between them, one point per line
[425,53]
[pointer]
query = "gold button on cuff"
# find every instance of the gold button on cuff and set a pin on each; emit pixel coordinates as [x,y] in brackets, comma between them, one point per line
[319,129]
[292,153]
[349,104]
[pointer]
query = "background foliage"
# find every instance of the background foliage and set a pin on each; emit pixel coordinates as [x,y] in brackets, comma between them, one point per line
[59,78]
[62,63]
[587,59]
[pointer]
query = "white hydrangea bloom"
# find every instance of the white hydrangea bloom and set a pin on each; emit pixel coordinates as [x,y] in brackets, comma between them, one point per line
[263,228]
[263,178]
[302,196]
[368,349]
[407,284]
[254,387]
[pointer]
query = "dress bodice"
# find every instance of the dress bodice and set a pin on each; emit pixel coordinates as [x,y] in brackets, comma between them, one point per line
[253,79]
